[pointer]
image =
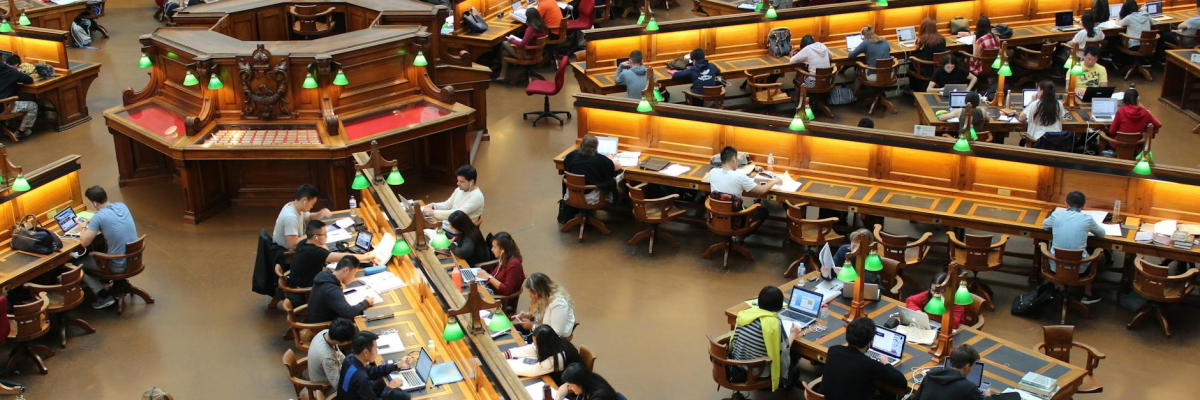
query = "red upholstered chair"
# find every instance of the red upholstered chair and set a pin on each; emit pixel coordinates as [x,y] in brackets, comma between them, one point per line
[587,9]
[548,89]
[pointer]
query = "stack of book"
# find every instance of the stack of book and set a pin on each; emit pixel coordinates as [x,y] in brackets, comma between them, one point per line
[1182,240]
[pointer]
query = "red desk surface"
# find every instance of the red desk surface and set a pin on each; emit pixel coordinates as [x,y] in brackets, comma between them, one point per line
[156,119]
[395,119]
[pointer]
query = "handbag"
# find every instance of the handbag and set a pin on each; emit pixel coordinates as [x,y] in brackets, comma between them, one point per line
[678,64]
[1003,31]
[841,94]
[30,236]
[474,22]
[959,24]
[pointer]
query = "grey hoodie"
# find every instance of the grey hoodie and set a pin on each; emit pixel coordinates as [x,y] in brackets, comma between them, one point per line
[634,79]
[1134,25]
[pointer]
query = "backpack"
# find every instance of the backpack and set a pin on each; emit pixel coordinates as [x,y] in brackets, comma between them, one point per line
[779,42]
[841,94]
[678,64]
[1003,31]
[1028,304]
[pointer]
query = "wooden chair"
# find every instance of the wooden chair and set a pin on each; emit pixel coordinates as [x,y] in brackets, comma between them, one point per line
[1037,64]
[302,332]
[310,23]
[509,303]
[287,256]
[822,85]
[603,12]
[697,10]
[985,58]
[809,234]
[30,321]
[971,315]
[551,44]
[916,66]
[523,58]
[94,12]
[713,94]
[576,192]
[589,358]
[7,388]
[134,265]
[653,212]
[812,390]
[1058,340]
[64,297]
[1194,39]
[1125,144]
[898,247]
[1148,42]
[9,113]
[729,224]
[765,94]
[287,287]
[1067,265]
[885,77]
[890,279]
[296,369]
[977,253]
[1159,287]
[316,395]
[718,355]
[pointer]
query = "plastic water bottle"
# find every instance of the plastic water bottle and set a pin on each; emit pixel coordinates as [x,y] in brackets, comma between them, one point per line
[771,162]
[353,207]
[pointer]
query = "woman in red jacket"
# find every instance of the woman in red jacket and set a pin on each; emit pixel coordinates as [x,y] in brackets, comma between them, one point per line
[506,279]
[917,302]
[1132,117]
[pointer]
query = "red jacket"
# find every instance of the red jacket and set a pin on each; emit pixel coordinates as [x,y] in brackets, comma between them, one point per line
[1130,119]
[511,275]
[917,302]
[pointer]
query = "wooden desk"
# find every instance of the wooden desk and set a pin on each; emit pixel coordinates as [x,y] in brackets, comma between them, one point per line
[66,93]
[45,14]
[268,20]
[54,187]
[497,14]
[1006,362]
[929,103]
[1180,78]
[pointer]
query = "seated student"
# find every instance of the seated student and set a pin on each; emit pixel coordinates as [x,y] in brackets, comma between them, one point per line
[874,48]
[978,118]
[325,359]
[845,254]
[549,305]
[1089,36]
[850,374]
[758,333]
[597,169]
[1070,230]
[814,55]
[1188,27]
[1135,20]
[534,28]
[1094,74]
[469,243]
[289,225]
[114,221]
[918,301]
[632,74]
[467,197]
[359,372]
[929,43]
[1132,117]
[327,301]
[985,39]
[551,352]
[552,15]
[1101,11]
[951,73]
[581,384]
[952,383]
[506,279]
[311,257]
[1044,113]
[700,72]
[729,184]
[866,122]
[10,78]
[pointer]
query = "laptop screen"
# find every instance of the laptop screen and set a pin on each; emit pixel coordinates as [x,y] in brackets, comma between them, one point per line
[906,34]
[1104,107]
[853,40]
[424,364]
[1114,11]
[888,342]
[976,375]
[958,99]
[363,240]
[66,219]
[1027,96]
[608,145]
[1154,8]
[805,301]
[1064,19]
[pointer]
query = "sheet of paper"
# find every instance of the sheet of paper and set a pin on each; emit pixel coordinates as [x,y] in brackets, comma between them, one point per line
[1097,215]
[675,170]
[1191,229]
[787,184]
[967,40]
[389,343]
[358,294]
[535,390]
[924,130]
[1112,230]
[63,2]
[829,290]
[826,256]
[383,282]
[337,235]
[1107,25]
[629,159]
[952,120]
[1166,227]
[344,222]
[1118,95]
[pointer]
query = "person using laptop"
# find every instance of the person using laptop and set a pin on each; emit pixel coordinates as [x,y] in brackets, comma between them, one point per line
[759,333]
[581,384]
[1132,117]
[1094,74]
[950,72]
[1090,35]
[700,72]
[549,305]
[506,279]
[929,43]
[469,243]
[115,222]
[289,225]
[325,359]
[359,374]
[952,383]
[852,375]
[311,257]
[729,184]
[548,354]
[813,55]
[1135,20]
[845,256]
[597,169]
[873,48]
[918,301]
[978,118]
[1101,10]
[1070,230]
[327,301]
[1044,114]
[632,74]
[1188,27]
[467,197]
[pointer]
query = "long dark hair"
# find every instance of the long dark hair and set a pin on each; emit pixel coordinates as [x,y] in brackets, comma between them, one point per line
[1048,109]
[534,20]
[984,26]
[950,59]
[806,40]
[509,246]
[928,35]
[594,386]
[1100,10]
[549,344]
[1131,97]
[465,226]
[1089,24]
[1130,7]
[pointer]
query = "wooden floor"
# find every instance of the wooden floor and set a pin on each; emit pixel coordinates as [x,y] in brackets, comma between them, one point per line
[209,337]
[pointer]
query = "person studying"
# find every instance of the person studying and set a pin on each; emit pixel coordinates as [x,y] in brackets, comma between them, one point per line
[850,374]
[467,197]
[759,333]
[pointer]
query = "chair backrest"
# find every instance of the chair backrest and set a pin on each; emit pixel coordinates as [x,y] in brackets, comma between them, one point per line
[1044,59]
[798,225]
[1067,264]
[977,254]
[823,80]
[812,390]
[577,189]
[71,286]
[587,10]
[971,314]
[642,206]
[302,332]
[589,358]
[4,325]
[31,319]
[885,73]
[1126,144]
[1155,282]
[892,246]
[1058,340]
[561,38]
[986,57]
[560,75]
[724,220]
[889,274]
[718,354]
[533,52]
[294,368]
[307,16]
[1056,140]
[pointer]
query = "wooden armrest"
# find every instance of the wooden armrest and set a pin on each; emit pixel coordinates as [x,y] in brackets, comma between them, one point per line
[863,67]
[638,186]
[921,241]
[969,55]
[107,257]
[747,363]
[797,206]
[764,86]
[663,199]
[918,60]
[748,210]
[830,219]
[950,236]
[1000,244]
[327,12]
[487,264]
[1028,51]
[1092,352]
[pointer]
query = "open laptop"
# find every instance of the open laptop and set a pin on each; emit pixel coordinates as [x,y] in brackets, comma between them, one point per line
[414,378]
[66,220]
[1103,109]
[958,100]
[870,291]
[887,343]
[607,146]
[1097,92]
[976,374]
[853,40]
[917,319]
[1027,96]
[1114,11]
[1065,21]
[948,89]
[1154,8]
[804,307]
[906,36]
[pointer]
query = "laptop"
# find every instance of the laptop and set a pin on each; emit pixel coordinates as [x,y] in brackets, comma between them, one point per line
[917,319]
[906,36]
[853,40]
[66,220]
[654,163]
[958,100]
[1154,8]
[414,378]
[1103,109]
[469,275]
[948,89]
[1027,96]
[1065,21]
[1097,92]
[608,146]
[1114,11]
[804,307]
[887,343]
[870,291]
[976,374]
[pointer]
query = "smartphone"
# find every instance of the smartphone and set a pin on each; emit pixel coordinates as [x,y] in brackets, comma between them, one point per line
[985,386]
[530,360]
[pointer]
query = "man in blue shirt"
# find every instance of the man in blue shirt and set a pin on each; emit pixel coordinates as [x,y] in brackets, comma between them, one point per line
[1070,228]
[359,374]
[116,223]
[700,72]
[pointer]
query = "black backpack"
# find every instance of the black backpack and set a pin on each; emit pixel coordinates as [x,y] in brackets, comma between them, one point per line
[1028,304]
[779,42]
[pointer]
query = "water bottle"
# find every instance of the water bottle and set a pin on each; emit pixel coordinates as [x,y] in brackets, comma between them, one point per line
[801,270]
[432,346]
[771,162]
[353,207]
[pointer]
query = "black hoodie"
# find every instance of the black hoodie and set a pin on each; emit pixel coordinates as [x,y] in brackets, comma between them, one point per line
[328,302]
[947,384]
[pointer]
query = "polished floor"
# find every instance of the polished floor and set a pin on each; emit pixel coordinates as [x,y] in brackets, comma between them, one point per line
[210,337]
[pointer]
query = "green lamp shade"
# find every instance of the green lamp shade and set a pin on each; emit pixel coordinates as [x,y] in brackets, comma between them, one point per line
[401,248]
[446,25]
[419,60]
[808,113]
[5,27]
[996,63]
[881,3]
[190,80]
[499,322]
[641,19]
[394,177]
[961,144]
[1077,70]
[974,136]
[652,25]
[453,331]
[1004,70]
[658,95]
[935,306]
[214,82]
[758,6]
[144,62]
[309,82]
[22,185]
[644,106]
[24,20]
[360,182]
[340,79]
[1141,168]
[440,241]
[1070,63]
[963,297]
[874,263]
[797,123]
[847,273]
[771,12]
[1149,156]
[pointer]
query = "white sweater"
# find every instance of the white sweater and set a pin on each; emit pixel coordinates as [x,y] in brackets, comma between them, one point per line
[470,203]
[529,352]
[559,315]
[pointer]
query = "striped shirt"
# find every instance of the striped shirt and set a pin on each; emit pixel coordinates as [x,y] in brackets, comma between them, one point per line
[748,345]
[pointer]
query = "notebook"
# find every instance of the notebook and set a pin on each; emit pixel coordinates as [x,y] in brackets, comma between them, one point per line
[654,163]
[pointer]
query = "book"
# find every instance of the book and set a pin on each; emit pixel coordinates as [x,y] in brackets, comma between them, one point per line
[1132,223]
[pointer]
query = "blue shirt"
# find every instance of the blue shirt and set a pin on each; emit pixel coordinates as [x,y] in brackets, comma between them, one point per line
[1070,229]
[116,223]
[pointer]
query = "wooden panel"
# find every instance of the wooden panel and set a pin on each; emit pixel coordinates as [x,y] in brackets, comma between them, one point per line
[799,28]
[892,18]
[685,136]
[356,18]
[995,176]
[845,24]
[1173,200]
[1045,9]
[624,126]
[760,143]
[1007,11]
[243,26]
[923,167]
[840,156]
[943,13]
[1101,190]
[272,24]
[620,48]
[668,46]
[738,38]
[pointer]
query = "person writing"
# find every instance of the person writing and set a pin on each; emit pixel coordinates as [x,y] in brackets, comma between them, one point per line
[728,182]
[759,333]
[1131,117]
[311,257]
[10,78]
[581,384]
[813,55]
[951,383]
[700,72]
[850,374]
[289,225]
[1094,74]
[467,197]
[1070,228]
[469,243]
[1044,113]
[327,301]
[918,301]
[549,305]
[115,222]
[535,28]
[632,74]
[358,374]
[506,279]
[949,72]
[985,39]
[550,354]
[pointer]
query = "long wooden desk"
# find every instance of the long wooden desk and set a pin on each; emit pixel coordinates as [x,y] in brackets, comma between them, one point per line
[1006,362]
[53,187]
[928,104]
[1180,79]
[497,14]
[737,42]
[66,92]
[44,14]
